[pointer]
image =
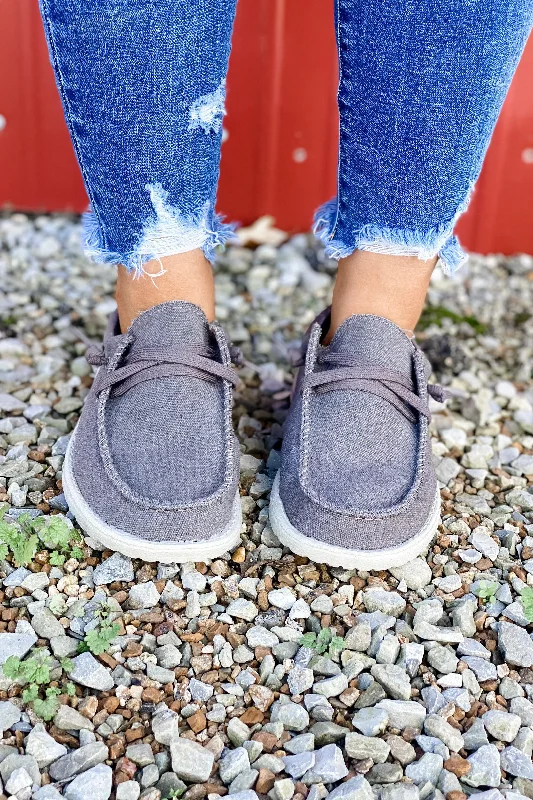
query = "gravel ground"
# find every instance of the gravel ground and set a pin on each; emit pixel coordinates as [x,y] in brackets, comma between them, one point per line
[206,688]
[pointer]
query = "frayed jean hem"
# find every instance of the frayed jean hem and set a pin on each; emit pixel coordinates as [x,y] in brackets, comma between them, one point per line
[438,241]
[167,232]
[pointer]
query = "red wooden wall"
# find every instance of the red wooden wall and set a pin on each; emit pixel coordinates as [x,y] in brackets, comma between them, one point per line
[280,153]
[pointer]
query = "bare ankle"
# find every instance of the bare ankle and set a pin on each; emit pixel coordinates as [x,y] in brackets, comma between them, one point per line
[184,276]
[387,286]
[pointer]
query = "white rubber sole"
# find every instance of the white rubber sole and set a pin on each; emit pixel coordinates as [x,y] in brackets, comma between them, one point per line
[135,547]
[365,560]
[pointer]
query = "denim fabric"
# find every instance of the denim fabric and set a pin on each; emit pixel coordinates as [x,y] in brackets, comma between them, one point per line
[421,85]
[143,88]
[161,460]
[355,472]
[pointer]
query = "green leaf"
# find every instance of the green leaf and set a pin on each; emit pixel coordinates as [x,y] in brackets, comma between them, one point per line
[308,640]
[57,559]
[77,553]
[486,590]
[526,596]
[336,645]
[55,532]
[30,693]
[66,664]
[70,689]
[99,639]
[22,544]
[4,551]
[46,709]
[323,639]
[11,668]
[37,669]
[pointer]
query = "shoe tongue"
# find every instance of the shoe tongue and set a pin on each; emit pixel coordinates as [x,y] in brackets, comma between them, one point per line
[376,340]
[170,324]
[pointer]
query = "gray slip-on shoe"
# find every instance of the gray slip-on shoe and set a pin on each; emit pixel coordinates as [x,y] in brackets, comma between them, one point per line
[152,469]
[356,487]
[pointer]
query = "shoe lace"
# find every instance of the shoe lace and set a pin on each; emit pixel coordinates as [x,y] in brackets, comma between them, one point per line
[389,384]
[148,363]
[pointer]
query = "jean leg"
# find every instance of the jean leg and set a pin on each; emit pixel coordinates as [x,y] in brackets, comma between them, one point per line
[421,86]
[143,85]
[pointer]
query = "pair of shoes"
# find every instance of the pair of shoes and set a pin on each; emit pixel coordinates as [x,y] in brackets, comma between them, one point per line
[152,469]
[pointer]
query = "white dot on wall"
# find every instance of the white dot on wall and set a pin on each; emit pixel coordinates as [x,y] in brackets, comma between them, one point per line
[527,155]
[299,155]
[225,135]
[3,122]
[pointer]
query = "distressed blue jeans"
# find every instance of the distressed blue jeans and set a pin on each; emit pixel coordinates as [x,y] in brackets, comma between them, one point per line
[143,83]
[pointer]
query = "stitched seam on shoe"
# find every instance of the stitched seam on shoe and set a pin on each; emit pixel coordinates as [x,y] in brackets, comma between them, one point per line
[107,459]
[305,426]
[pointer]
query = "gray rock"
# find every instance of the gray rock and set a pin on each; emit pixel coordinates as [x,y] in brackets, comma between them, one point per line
[442,659]
[394,680]
[359,747]
[48,792]
[327,732]
[329,765]
[238,732]
[331,687]
[435,633]
[191,761]
[141,754]
[9,715]
[515,644]
[299,744]
[15,761]
[44,747]
[128,790]
[234,762]
[299,679]
[400,791]
[471,647]
[297,765]
[46,625]
[482,669]
[516,763]
[15,644]
[165,726]
[485,767]
[356,788]
[434,725]
[402,751]
[371,721]
[115,568]
[502,725]
[87,671]
[79,760]
[64,646]
[257,636]
[411,657]
[476,736]
[358,637]
[94,783]
[383,774]
[243,609]
[403,713]
[416,573]
[246,795]
[143,595]
[19,781]
[376,599]
[292,715]
[425,770]
[524,709]
[68,719]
